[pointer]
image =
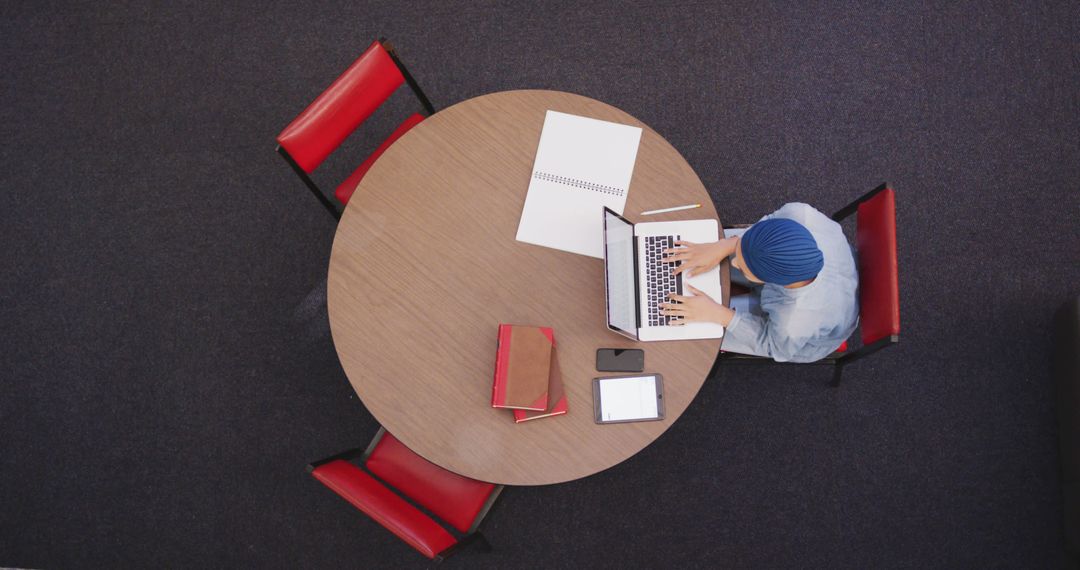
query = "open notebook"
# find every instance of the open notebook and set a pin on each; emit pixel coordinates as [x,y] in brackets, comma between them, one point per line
[581,165]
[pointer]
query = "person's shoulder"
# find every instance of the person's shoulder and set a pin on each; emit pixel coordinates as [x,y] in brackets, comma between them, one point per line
[798,211]
[811,218]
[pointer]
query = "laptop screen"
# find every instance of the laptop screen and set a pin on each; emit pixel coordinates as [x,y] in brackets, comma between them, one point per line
[619,265]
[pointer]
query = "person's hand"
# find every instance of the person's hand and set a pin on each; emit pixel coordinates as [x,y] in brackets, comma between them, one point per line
[698,308]
[698,257]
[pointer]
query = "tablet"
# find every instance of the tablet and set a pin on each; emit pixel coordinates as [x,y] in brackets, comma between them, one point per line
[619,399]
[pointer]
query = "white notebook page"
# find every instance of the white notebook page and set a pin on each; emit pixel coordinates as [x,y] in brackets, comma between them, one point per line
[581,165]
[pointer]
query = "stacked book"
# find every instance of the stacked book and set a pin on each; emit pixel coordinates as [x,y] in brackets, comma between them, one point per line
[527,378]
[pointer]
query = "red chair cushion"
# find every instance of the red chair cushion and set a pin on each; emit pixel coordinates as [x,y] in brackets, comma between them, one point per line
[453,498]
[879,282]
[388,509]
[345,189]
[336,113]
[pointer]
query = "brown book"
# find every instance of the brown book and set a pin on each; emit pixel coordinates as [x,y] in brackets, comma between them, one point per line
[556,396]
[522,367]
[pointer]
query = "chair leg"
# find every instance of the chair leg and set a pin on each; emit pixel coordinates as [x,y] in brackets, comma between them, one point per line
[310,184]
[838,370]
[465,542]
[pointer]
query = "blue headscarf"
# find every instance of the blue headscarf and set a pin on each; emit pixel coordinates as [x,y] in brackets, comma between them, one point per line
[781,251]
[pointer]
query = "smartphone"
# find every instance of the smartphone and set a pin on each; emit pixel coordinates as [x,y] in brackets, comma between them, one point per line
[620,360]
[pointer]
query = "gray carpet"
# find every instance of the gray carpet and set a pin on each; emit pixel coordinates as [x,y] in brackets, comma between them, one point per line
[164,376]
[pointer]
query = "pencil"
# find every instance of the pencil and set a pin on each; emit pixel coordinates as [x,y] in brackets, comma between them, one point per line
[675,209]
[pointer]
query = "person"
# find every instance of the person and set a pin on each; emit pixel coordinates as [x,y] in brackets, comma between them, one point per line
[802,303]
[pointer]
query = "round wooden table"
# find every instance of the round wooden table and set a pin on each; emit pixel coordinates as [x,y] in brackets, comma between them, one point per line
[425,266]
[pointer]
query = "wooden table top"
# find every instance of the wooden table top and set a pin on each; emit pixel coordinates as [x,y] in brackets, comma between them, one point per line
[425,266]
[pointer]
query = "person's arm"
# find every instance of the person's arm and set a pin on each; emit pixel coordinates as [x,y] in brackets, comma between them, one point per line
[698,307]
[758,336]
[699,257]
[746,333]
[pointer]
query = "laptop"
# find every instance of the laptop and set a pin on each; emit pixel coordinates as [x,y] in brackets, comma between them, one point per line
[637,280]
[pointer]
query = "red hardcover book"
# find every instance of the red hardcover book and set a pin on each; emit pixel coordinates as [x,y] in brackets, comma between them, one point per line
[556,396]
[522,367]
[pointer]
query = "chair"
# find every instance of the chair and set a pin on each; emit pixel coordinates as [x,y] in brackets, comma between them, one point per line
[339,110]
[424,491]
[879,285]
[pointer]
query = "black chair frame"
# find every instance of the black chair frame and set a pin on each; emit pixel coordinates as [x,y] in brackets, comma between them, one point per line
[420,96]
[838,360]
[463,540]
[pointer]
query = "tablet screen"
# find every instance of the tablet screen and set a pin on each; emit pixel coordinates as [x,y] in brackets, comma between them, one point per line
[630,398]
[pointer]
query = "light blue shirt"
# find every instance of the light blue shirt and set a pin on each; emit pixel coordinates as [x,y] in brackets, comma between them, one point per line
[808,323]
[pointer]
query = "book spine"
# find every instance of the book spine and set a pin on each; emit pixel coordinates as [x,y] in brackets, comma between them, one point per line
[502,357]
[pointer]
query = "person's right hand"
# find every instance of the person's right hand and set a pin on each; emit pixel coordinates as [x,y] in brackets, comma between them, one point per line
[699,257]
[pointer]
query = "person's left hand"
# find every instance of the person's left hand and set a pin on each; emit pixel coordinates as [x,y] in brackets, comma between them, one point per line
[697,308]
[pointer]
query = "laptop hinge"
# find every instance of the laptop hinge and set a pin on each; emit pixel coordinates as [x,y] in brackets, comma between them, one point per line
[637,289]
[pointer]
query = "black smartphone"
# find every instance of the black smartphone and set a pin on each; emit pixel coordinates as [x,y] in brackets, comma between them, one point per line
[620,360]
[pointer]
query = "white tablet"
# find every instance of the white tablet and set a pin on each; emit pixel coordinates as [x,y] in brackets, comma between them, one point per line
[620,399]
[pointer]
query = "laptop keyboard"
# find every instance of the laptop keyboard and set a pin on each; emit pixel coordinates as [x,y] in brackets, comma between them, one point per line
[659,282]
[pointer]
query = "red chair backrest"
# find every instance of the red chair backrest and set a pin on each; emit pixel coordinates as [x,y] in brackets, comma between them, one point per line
[452,497]
[879,279]
[341,108]
[388,509]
